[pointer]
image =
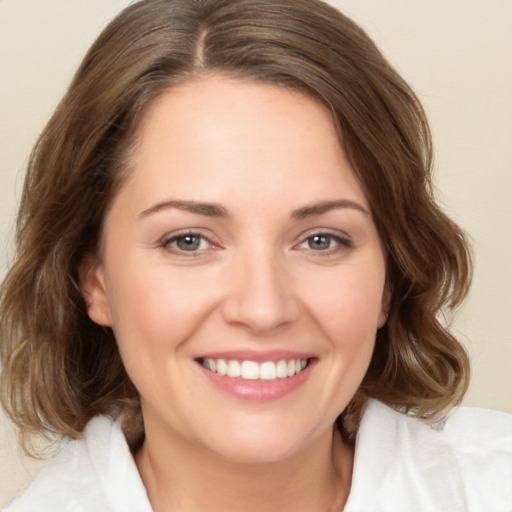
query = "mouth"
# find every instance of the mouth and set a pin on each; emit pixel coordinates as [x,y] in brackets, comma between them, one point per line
[248,370]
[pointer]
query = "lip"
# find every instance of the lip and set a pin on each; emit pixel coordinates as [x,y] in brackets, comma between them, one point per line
[257,390]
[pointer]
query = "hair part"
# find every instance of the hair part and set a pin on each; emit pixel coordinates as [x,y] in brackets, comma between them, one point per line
[59,368]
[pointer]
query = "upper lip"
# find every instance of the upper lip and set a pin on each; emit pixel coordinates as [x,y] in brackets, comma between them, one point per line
[256,356]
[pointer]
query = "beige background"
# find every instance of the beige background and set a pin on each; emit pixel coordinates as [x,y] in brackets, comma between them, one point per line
[457,55]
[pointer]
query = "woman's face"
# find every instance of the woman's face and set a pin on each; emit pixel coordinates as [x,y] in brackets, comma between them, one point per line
[241,242]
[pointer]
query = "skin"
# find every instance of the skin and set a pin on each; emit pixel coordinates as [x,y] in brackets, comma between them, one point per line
[256,281]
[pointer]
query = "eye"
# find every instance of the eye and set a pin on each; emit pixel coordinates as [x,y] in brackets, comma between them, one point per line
[186,242]
[325,242]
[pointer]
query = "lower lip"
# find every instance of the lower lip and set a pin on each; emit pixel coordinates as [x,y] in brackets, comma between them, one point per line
[258,390]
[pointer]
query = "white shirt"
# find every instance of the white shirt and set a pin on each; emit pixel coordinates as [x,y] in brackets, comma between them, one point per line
[401,465]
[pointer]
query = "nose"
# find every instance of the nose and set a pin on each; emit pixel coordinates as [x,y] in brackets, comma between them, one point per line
[260,295]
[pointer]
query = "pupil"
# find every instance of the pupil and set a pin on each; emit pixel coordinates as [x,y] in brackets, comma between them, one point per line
[189,242]
[319,242]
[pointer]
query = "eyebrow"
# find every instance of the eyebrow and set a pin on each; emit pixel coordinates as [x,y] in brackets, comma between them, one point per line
[216,210]
[208,209]
[325,206]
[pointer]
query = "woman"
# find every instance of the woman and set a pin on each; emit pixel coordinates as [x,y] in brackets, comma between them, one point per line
[229,270]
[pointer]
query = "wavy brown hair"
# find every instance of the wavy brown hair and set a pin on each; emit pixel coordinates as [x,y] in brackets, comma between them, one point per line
[59,368]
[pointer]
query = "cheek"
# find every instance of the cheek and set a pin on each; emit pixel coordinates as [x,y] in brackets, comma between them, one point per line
[349,305]
[155,306]
[152,317]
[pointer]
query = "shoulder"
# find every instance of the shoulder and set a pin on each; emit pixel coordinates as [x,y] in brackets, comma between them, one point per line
[96,473]
[481,443]
[464,464]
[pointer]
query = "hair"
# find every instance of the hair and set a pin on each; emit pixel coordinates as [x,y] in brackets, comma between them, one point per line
[59,368]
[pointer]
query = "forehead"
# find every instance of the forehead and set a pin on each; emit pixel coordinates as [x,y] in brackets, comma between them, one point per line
[209,103]
[215,138]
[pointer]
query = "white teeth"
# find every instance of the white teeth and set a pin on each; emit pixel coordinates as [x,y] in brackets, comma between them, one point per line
[222,367]
[268,371]
[251,370]
[282,369]
[233,369]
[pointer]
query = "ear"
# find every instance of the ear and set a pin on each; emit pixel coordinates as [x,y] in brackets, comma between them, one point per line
[386,302]
[92,286]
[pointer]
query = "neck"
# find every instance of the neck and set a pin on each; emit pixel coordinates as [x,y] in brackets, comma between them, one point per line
[179,475]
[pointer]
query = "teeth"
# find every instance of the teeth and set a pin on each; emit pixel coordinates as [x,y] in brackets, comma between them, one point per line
[251,370]
[282,369]
[233,369]
[268,371]
[291,368]
[222,367]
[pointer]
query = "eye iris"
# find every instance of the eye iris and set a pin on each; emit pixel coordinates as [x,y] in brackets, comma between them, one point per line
[319,242]
[188,242]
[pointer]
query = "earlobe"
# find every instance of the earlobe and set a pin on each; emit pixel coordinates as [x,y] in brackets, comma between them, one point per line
[92,287]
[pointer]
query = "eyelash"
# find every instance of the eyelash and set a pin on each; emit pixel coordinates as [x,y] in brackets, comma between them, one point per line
[340,243]
[167,242]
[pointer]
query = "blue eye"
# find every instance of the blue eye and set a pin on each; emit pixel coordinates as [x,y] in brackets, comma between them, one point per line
[324,242]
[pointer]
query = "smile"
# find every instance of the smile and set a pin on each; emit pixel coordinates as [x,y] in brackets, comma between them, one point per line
[252,370]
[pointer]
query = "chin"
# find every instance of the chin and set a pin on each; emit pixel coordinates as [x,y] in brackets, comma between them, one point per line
[258,452]
[262,442]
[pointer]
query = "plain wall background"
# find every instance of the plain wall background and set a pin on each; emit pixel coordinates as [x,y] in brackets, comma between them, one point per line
[457,56]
